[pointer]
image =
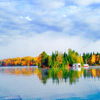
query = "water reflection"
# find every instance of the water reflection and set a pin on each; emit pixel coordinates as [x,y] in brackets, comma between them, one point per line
[57,75]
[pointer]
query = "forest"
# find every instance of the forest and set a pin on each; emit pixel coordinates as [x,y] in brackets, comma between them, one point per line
[56,59]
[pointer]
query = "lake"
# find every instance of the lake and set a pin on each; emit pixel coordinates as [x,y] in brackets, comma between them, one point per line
[32,83]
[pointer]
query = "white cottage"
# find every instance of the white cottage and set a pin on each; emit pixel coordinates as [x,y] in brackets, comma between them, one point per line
[76,67]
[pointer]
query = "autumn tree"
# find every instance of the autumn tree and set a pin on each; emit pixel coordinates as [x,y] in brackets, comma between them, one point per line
[93,58]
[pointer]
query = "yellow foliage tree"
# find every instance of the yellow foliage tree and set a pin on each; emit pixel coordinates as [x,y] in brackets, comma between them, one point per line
[93,59]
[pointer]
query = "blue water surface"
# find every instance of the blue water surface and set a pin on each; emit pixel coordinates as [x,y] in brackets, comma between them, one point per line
[35,84]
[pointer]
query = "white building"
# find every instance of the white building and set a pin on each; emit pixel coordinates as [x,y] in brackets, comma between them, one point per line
[76,67]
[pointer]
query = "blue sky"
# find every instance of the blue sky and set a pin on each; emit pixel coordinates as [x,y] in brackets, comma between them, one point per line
[28,27]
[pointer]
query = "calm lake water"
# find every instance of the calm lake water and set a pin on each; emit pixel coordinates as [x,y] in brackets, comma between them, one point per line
[31,83]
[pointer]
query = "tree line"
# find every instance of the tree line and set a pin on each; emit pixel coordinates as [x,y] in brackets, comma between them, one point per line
[56,59]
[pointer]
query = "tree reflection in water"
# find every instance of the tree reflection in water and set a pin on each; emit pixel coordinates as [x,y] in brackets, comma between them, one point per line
[56,74]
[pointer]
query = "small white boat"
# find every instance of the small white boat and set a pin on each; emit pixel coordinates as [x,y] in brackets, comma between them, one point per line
[76,67]
[86,66]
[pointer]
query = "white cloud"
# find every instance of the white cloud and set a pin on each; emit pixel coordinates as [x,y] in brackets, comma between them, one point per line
[28,18]
[85,2]
[51,4]
[94,22]
[93,46]
[7,5]
[37,43]
[52,25]
[64,15]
